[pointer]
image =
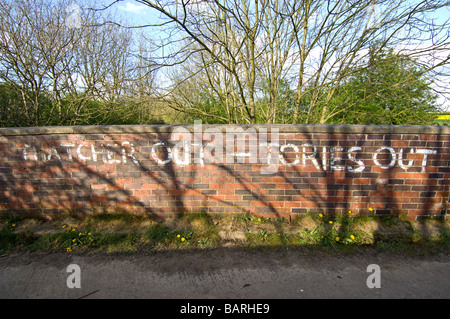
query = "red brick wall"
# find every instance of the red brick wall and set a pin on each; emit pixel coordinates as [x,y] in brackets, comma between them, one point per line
[328,169]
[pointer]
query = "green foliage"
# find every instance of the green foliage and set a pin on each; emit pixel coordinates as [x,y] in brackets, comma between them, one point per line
[156,234]
[21,110]
[389,89]
[276,104]
[15,111]
[72,238]
[9,239]
[209,108]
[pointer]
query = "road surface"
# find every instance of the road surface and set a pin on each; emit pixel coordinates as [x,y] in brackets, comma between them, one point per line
[225,273]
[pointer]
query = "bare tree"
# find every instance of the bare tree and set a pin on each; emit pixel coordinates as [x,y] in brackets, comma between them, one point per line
[63,58]
[333,42]
[246,51]
[31,60]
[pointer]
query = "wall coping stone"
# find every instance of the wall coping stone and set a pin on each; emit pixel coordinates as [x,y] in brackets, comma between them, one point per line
[283,128]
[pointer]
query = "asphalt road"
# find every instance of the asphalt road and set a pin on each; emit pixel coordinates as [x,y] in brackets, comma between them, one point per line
[225,273]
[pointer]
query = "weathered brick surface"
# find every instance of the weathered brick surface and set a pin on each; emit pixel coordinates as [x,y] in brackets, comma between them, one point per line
[329,169]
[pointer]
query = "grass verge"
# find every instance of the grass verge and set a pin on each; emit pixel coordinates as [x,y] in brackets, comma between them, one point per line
[128,233]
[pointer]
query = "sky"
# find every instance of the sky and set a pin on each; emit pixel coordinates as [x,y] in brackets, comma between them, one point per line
[133,8]
[136,13]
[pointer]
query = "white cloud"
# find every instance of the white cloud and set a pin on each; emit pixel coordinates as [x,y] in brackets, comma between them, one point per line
[133,8]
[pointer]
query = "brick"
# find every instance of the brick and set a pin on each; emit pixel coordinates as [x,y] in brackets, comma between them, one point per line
[400,143]
[209,192]
[225,191]
[292,204]
[99,186]
[70,182]
[258,204]
[98,198]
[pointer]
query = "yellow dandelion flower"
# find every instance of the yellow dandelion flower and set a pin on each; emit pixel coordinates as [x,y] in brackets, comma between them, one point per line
[73,240]
[89,234]
[370,209]
[13,225]
[79,234]
[182,239]
[69,249]
[352,237]
[349,211]
[320,215]
[331,222]
[64,226]
[337,238]
[178,236]
[259,219]
[73,229]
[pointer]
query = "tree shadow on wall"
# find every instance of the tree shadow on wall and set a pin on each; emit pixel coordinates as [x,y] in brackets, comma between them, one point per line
[383,190]
[88,186]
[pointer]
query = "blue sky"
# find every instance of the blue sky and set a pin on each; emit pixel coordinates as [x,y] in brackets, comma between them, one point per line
[136,13]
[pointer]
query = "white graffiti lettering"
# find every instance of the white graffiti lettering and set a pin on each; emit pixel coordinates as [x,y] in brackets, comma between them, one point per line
[269,154]
[393,157]
[360,163]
